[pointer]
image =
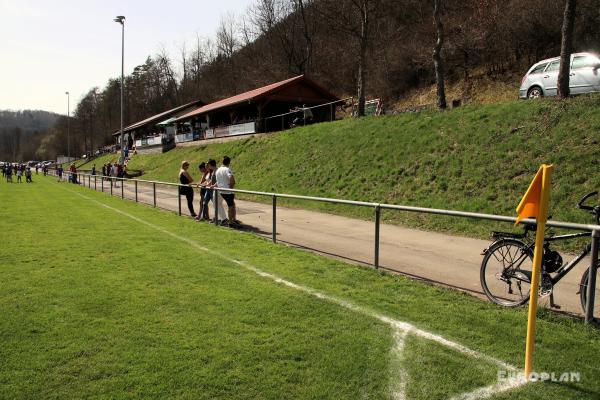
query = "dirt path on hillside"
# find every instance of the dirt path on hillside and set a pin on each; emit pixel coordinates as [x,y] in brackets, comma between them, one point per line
[439,258]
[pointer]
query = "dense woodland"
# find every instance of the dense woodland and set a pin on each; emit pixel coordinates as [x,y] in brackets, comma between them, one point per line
[373,48]
[22,131]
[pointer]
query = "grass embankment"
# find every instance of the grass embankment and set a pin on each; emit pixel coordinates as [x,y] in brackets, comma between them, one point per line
[86,165]
[478,88]
[116,308]
[475,158]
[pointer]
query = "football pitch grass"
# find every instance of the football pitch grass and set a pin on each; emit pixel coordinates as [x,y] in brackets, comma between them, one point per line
[102,297]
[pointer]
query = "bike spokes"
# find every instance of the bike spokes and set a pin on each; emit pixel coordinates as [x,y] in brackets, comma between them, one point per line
[506,273]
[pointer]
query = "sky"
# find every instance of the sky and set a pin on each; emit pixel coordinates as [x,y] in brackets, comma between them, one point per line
[49,47]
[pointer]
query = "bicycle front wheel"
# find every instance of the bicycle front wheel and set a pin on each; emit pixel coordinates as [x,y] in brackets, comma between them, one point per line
[583,292]
[506,272]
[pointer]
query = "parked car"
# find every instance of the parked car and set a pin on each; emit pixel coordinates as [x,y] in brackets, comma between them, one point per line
[542,77]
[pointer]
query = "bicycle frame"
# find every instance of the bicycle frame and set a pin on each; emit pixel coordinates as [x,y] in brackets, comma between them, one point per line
[565,269]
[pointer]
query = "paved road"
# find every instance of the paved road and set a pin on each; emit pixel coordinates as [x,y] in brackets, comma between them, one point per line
[449,260]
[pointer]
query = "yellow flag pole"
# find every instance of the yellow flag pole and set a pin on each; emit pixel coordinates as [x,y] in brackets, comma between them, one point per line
[537,263]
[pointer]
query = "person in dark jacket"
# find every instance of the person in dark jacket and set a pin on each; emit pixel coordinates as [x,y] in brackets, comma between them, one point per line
[186,179]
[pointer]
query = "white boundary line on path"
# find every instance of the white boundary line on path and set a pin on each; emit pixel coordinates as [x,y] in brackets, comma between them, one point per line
[401,329]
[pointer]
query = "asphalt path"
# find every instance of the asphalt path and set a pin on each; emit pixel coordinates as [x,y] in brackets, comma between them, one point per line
[438,258]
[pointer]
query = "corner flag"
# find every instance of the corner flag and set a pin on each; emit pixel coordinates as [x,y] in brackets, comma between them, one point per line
[535,204]
[529,207]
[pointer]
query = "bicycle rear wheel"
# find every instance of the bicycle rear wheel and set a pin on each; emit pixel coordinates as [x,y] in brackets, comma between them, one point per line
[583,292]
[506,272]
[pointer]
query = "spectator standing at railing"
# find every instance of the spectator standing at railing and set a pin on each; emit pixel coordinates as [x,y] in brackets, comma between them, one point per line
[73,171]
[114,172]
[226,180]
[186,179]
[210,183]
[59,172]
[204,171]
[103,170]
[94,169]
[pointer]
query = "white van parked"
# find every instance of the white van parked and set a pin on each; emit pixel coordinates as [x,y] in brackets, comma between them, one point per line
[542,78]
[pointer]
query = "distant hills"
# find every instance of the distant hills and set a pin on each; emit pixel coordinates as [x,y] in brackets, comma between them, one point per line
[21,132]
[27,120]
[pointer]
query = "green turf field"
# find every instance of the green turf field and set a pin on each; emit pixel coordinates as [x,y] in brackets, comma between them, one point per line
[102,297]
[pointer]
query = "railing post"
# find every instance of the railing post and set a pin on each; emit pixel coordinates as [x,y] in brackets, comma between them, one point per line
[179,200]
[95,184]
[136,191]
[122,185]
[377,223]
[274,219]
[154,193]
[216,201]
[591,286]
[331,112]
[102,185]
[111,187]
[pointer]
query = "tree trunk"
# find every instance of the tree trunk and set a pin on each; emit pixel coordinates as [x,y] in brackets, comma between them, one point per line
[437,57]
[566,49]
[360,85]
[308,45]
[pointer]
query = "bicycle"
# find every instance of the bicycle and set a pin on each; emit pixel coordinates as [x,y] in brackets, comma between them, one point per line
[506,267]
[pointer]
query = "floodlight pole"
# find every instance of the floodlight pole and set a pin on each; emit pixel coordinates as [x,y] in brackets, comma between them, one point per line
[68,130]
[121,20]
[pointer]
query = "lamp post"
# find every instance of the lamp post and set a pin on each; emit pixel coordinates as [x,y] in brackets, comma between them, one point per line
[121,20]
[68,133]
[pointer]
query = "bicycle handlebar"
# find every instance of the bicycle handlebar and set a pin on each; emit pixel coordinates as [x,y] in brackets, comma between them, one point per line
[583,207]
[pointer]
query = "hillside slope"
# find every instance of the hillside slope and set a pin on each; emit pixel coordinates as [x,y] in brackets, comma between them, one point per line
[475,158]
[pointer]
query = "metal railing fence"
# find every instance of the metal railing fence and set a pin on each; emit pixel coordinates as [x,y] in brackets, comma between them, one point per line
[286,116]
[377,207]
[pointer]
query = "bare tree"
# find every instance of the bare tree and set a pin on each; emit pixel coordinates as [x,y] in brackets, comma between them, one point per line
[228,41]
[263,15]
[353,17]
[184,61]
[437,56]
[308,30]
[566,49]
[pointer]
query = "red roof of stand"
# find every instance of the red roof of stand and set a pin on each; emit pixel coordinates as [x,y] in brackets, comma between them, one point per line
[257,94]
[159,117]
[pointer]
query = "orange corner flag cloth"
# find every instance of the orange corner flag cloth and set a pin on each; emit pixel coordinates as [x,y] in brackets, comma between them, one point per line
[529,207]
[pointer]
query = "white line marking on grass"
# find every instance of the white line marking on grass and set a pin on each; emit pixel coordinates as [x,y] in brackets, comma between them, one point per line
[398,386]
[491,390]
[400,328]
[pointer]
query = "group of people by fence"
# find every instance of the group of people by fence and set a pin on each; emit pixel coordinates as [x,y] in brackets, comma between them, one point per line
[111,171]
[221,178]
[8,170]
[72,178]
